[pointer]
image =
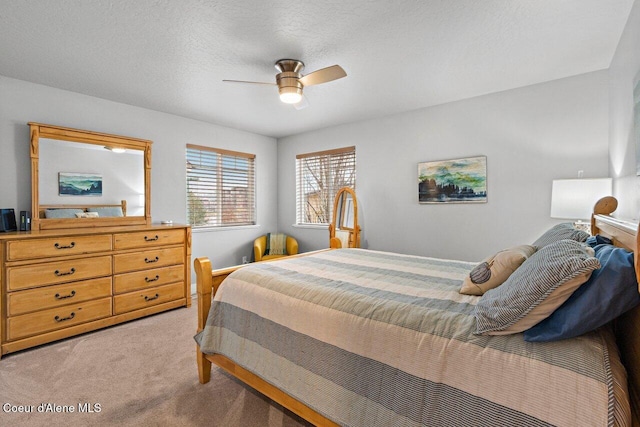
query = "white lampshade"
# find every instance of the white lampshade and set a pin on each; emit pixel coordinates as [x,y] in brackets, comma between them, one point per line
[575,198]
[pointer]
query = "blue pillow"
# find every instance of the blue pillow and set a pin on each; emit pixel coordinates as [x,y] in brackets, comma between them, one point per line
[107,211]
[610,291]
[596,240]
[61,213]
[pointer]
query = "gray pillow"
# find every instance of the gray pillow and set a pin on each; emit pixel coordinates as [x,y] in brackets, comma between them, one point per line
[566,230]
[61,213]
[539,286]
[107,211]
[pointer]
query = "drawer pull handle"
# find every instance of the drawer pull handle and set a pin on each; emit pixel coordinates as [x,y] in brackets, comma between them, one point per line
[72,294]
[146,279]
[156,296]
[57,272]
[151,239]
[62,319]
[150,261]
[59,246]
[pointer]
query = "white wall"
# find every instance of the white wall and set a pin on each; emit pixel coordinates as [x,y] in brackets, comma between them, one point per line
[624,72]
[530,136]
[22,102]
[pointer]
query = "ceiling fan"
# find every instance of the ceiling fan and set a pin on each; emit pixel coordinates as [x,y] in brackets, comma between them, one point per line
[291,83]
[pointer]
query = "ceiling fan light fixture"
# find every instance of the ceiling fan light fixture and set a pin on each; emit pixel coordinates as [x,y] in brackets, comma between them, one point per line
[290,95]
[117,150]
[291,83]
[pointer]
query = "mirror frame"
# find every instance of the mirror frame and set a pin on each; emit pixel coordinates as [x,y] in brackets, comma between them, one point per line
[354,232]
[39,130]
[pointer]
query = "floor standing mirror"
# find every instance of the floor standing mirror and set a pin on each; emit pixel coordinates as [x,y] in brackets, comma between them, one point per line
[344,231]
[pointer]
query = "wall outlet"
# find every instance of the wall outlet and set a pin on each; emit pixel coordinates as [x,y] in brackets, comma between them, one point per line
[244,260]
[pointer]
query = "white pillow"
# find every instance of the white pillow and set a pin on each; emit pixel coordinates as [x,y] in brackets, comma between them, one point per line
[87,215]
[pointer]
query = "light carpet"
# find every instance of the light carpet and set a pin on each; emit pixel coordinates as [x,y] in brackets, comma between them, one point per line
[141,373]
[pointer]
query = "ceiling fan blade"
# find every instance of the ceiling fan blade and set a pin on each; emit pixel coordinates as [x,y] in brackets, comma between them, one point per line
[244,81]
[304,103]
[323,75]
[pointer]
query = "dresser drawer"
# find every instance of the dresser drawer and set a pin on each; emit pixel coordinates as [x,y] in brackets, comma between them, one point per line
[147,298]
[57,246]
[57,295]
[149,239]
[145,260]
[145,279]
[57,318]
[48,273]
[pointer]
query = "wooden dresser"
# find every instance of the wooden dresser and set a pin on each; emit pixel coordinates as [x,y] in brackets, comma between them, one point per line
[60,283]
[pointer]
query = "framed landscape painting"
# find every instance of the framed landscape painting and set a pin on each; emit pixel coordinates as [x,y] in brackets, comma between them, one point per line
[79,184]
[453,181]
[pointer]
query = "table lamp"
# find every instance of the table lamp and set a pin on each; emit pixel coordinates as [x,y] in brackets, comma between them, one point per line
[574,198]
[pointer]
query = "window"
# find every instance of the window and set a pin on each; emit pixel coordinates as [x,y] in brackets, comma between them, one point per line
[220,187]
[319,176]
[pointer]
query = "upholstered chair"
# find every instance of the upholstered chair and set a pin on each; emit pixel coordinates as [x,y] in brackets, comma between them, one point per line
[260,248]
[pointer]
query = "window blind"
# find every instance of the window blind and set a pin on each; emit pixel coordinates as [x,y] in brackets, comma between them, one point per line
[319,176]
[220,187]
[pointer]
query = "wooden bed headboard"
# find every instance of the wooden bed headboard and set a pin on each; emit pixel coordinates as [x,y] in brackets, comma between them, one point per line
[627,327]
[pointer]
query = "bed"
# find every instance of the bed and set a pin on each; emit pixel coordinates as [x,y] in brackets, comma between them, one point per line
[83,211]
[355,337]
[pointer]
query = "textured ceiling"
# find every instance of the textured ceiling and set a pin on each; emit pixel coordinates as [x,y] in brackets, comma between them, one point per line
[172,55]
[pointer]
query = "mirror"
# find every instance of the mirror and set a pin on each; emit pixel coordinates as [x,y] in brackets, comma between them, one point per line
[88,179]
[344,231]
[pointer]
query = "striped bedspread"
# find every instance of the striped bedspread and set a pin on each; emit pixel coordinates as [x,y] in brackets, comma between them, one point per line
[379,339]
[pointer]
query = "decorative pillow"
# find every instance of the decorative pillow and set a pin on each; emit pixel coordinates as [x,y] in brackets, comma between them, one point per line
[610,291]
[107,211]
[62,213]
[539,286]
[566,230]
[276,244]
[493,271]
[87,215]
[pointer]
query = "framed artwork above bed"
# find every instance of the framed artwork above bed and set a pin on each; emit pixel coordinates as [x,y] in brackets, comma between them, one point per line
[453,181]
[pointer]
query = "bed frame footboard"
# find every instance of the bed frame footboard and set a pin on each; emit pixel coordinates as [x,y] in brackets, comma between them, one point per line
[204,281]
[208,281]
